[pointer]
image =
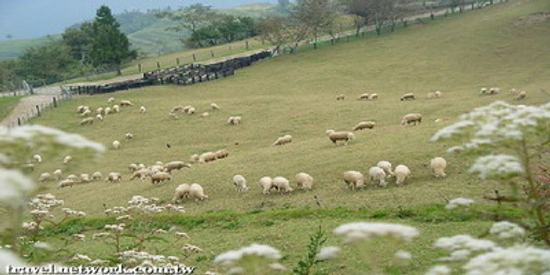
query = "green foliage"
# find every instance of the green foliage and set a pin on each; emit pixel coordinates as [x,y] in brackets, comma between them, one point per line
[7,104]
[316,241]
[45,64]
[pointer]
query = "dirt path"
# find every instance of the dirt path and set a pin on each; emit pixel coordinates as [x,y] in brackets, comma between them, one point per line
[27,105]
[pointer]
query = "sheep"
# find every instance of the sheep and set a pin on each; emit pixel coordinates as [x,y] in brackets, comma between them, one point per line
[177,108]
[133,167]
[364,96]
[283,140]
[408,96]
[80,109]
[438,165]
[86,113]
[304,181]
[85,178]
[483,91]
[160,177]
[402,173]
[113,177]
[128,136]
[267,184]
[65,183]
[72,177]
[493,91]
[97,175]
[364,125]
[142,109]
[191,111]
[240,182]
[196,191]
[377,176]
[234,120]
[431,95]
[194,158]
[116,108]
[514,91]
[141,174]
[354,179]
[37,158]
[67,159]
[411,118]
[175,165]
[28,167]
[116,145]
[58,174]
[44,177]
[373,96]
[186,109]
[437,94]
[126,103]
[386,166]
[173,116]
[214,106]
[521,95]
[340,97]
[111,100]
[205,115]
[157,168]
[182,191]
[223,153]
[336,136]
[282,184]
[88,120]
[107,110]
[99,117]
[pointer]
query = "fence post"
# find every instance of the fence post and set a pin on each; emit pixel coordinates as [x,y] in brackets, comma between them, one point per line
[37,110]
[139,67]
[212,53]
[432,15]
[230,48]
[194,58]
[315,45]
[246,42]
[18,121]
[158,65]
[178,61]
[54,102]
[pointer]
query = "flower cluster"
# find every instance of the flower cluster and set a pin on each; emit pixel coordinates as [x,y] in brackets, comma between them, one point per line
[366,230]
[463,246]
[143,205]
[507,231]
[459,203]
[15,187]
[233,257]
[519,259]
[497,167]
[142,258]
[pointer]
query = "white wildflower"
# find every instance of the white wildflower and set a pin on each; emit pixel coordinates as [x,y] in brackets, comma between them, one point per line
[277,266]
[259,250]
[181,234]
[459,202]
[497,167]
[439,270]
[403,255]
[42,245]
[519,259]
[507,230]
[15,186]
[366,230]
[328,252]
[462,246]
[79,237]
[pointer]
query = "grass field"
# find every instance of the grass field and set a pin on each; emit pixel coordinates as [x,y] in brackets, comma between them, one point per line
[7,104]
[295,94]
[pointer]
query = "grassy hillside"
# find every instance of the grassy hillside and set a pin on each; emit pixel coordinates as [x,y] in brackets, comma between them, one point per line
[14,48]
[7,104]
[295,94]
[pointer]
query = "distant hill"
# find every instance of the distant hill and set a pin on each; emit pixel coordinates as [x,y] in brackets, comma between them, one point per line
[144,30]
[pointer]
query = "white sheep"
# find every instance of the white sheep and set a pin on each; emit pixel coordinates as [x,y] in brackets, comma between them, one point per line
[116,108]
[173,116]
[386,166]
[194,158]
[214,106]
[337,136]
[205,115]
[438,165]
[44,177]
[86,113]
[99,111]
[377,176]
[402,173]
[175,165]
[85,178]
[99,117]
[340,97]
[223,153]
[240,182]
[354,179]
[113,177]
[126,103]
[282,184]
[408,96]
[160,177]
[186,109]
[97,175]
[65,183]
[111,100]
[267,184]
[283,140]
[493,91]
[37,158]
[521,95]
[67,159]
[431,95]
[58,174]
[191,111]
[373,96]
[437,94]
[128,136]
[142,109]
[234,120]
[364,125]
[116,145]
[412,118]
[196,191]
[73,177]
[177,108]
[182,191]
[142,174]
[80,109]
[88,120]
[364,96]
[304,181]
[107,110]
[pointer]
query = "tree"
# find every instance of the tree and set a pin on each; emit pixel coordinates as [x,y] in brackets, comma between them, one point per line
[47,64]
[361,11]
[316,15]
[280,31]
[79,40]
[110,47]
[193,19]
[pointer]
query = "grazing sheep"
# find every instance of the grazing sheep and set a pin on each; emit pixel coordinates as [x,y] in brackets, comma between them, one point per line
[377,176]
[438,165]
[364,96]
[37,158]
[177,108]
[44,177]
[142,109]
[267,184]
[514,91]
[214,106]
[133,167]
[340,97]
[99,117]
[364,125]
[173,116]
[409,119]
[408,96]
[196,191]
[493,91]
[175,165]
[373,96]
[182,191]
[97,175]
[58,174]
[191,111]
[437,94]
[438,120]
[86,113]
[88,120]
[205,115]
[283,140]
[282,184]
[65,183]
[113,177]
[111,100]
[80,109]
[116,144]
[194,158]
[521,95]
[142,174]
[160,177]
[240,182]
[402,173]
[28,167]
[126,103]
[116,108]
[386,166]
[67,159]
[431,95]
[107,110]
[72,177]
[234,120]
[99,111]
[336,136]
[186,109]
[128,136]
[354,179]
[304,181]
[223,153]
[483,91]
[85,178]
